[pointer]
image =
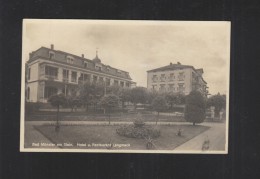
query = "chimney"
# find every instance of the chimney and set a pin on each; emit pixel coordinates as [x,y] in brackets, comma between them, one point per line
[178,63]
[171,63]
[52,46]
[82,55]
[30,55]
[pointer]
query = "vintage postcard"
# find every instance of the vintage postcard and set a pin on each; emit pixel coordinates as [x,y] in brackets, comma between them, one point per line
[115,86]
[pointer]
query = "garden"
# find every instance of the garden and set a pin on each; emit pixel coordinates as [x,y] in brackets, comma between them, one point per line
[153,126]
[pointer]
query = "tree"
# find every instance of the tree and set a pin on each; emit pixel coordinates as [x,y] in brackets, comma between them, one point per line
[195,108]
[57,100]
[218,101]
[74,102]
[151,95]
[138,95]
[109,102]
[125,96]
[90,93]
[159,104]
[174,99]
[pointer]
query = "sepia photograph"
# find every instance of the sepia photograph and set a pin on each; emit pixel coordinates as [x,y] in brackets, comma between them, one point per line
[125,86]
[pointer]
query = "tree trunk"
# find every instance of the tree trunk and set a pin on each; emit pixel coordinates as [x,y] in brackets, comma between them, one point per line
[58,110]
[157,118]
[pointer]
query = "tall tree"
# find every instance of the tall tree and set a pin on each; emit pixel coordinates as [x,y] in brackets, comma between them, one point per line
[218,101]
[57,101]
[195,108]
[109,102]
[159,104]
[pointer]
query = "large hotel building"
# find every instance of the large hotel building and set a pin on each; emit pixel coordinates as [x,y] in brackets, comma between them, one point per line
[177,78]
[50,71]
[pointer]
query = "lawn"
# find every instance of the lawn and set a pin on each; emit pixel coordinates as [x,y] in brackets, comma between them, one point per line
[98,136]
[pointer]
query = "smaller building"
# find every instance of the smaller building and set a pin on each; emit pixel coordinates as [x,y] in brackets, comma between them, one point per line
[177,78]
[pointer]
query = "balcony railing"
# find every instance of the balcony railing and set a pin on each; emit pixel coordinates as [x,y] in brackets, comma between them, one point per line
[51,77]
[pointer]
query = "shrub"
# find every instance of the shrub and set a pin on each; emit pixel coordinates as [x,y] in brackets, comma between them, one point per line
[31,107]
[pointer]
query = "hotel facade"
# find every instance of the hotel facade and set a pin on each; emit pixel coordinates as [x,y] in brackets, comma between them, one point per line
[50,71]
[177,78]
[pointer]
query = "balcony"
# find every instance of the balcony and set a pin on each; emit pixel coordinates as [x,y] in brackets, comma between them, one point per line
[51,77]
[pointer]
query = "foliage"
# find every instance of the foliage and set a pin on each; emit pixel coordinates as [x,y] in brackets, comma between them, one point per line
[109,102]
[31,107]
[159,104]
[91,93]
[138,95]
[58,100]
[195,108]
[74,102]
[125,95]
[138,132]
[218,101]
[174,99]
[151,95]
[139,121]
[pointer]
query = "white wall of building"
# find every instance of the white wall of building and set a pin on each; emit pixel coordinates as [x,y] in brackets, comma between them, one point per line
[187,80]
[34,72]
[33,92]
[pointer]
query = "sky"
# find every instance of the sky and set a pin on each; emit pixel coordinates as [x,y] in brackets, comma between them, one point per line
[139,46]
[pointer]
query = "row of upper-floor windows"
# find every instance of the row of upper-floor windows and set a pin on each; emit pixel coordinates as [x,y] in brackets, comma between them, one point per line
[85,64]
[170,87]
[171,77]
[51,72]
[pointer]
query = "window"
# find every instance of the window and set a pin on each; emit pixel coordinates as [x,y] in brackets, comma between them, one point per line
[127,84]
[70,60]
[101,79]
[154,87]
[85,64]
[49,91]
[94,79]
[73,76]
[51,55]
[98,68]
[181,87]
[162,78]
[86,77]
[171,87]
[28,93]
[115,82]
[122,84]
[162,87]
[51,72]
[107,82]
[171,77]
[65,75]
[181,76]
[154,78]
[29,73]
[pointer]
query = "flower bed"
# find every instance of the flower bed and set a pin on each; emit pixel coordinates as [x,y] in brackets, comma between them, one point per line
[138,132]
